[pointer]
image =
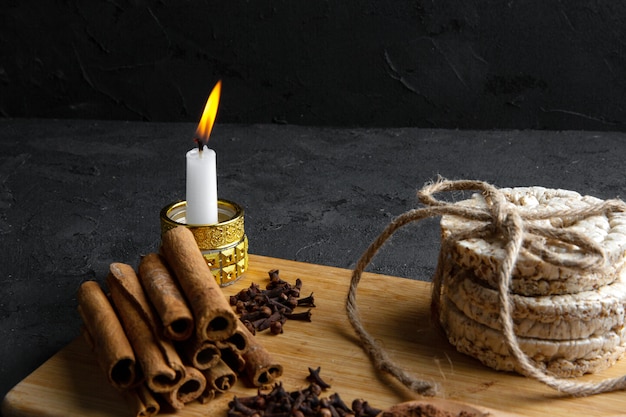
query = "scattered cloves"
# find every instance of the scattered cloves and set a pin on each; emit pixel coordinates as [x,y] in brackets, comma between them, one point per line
[277,402]
[269,308]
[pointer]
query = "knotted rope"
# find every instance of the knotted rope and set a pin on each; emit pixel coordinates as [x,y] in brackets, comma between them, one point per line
[518,229]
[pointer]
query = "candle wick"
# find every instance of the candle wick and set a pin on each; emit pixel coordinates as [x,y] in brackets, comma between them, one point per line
[199,144]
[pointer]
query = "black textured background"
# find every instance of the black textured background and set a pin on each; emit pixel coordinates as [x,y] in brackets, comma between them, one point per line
[449,64]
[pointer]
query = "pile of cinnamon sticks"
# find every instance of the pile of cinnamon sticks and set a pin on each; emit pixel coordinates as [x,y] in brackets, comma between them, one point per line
[167,333]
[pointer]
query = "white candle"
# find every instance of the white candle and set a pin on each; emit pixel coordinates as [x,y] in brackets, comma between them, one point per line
[201,187]
[201,169]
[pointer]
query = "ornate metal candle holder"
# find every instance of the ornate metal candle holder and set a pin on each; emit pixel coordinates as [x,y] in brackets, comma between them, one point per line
[224,245]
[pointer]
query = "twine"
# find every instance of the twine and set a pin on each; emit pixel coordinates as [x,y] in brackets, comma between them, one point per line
[515,227]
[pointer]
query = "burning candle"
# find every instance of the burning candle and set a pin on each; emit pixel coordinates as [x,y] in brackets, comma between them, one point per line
[201,168]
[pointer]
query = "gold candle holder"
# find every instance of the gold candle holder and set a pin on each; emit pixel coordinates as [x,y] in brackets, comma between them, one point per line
[224,245]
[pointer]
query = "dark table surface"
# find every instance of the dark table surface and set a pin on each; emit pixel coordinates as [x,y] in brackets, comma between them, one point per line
[78,195]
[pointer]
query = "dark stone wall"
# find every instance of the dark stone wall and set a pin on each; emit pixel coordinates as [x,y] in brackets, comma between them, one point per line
[476,64]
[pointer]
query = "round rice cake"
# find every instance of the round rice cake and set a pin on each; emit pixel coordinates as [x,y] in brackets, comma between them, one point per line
[534,285]
[562,358]
[531,275]
[553,317]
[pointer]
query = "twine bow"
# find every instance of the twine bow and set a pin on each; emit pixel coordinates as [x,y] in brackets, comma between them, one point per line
[521,230]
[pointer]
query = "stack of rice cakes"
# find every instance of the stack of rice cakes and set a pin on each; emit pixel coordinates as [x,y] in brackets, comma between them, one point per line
[569,322]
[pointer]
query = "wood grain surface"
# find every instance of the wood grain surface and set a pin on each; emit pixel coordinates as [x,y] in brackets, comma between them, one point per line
[394,310]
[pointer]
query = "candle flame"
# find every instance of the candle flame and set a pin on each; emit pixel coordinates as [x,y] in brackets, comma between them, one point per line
[203,131]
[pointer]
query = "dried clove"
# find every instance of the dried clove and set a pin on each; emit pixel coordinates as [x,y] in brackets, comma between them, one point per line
[262,312]
[267,322]
[326,405]
[307,301]
[237,405]
[276,327]
[304,316]
[275,280]
[364,409]
[315,389]
[338,403]
[370,411]
[290,301]
[295,291]
[278,306]
[314,376]
[298,400]
[250,327]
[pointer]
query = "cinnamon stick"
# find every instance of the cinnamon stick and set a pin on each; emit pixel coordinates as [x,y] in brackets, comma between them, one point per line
[105,336]
[219,378]
[215,320]
[238,342]
[206,396]
[233,359]
[141,401]
[166,297]
[202,354]
[161,365]
[260,368]
[192,387]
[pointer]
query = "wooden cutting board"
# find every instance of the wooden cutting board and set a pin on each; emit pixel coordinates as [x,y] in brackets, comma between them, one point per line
[394,310]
